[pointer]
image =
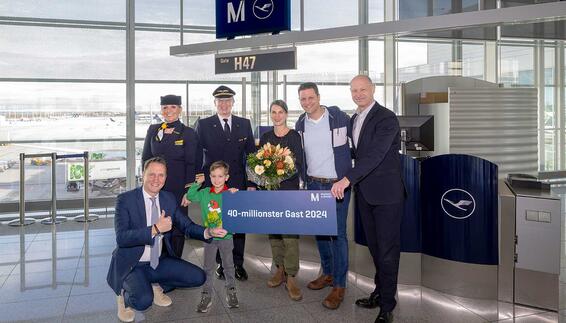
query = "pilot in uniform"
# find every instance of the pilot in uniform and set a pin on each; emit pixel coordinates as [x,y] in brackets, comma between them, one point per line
[227,137]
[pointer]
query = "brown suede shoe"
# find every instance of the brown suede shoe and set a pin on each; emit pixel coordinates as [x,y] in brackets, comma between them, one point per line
[320,282]
[335,298]
[293,289]
[278,278]
[125,314]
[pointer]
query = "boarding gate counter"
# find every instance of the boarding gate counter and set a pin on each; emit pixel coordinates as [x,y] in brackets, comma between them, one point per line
[466,233]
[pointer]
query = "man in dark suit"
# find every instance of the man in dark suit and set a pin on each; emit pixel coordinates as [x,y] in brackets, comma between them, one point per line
[227,137]
[139,273]
[380,192]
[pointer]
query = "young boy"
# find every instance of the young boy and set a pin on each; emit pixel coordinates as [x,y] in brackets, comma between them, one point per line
[210,199]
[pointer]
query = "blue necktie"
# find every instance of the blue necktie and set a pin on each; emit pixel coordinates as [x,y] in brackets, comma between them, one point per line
[154,251]
[226,128]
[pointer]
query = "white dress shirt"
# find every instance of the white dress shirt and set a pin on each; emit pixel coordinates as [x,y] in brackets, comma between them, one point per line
[159,237]
[359,122]
[222,121]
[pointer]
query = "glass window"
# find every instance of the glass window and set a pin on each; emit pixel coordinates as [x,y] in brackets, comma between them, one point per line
[549,152]
[318,63]
[62,111]
[45,52]
[38,170]
[153,61]
[549,107]
[338,95]
[413,9]
[148,108]
[516,66]
[321,14]
[418,59]
[101,10]
[159,12]
[376,60]
[199,12]
[473,60]
[376,11]
[201,101]
[549,65]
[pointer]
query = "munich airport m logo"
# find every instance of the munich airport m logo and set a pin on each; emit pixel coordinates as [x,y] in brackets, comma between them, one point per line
[458,203]
[233,15]
[315,197]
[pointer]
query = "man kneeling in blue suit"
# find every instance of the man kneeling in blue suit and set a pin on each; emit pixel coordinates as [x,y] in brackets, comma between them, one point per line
[138,273]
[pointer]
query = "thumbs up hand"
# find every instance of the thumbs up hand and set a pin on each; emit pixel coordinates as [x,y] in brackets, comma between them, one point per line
[164,224]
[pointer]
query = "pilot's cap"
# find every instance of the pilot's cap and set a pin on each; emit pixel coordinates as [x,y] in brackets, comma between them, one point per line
[223,92]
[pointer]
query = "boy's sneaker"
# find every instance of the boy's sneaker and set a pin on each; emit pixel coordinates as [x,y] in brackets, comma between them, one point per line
[205,303]
[231,298]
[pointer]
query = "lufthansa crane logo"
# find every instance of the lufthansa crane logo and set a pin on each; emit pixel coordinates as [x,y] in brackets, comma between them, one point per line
[458,203]
[263,8]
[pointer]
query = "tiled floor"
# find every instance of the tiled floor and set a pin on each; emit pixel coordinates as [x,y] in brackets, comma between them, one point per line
[48,276]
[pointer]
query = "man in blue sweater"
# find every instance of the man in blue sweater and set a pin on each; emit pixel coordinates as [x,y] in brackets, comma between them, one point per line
[324,132]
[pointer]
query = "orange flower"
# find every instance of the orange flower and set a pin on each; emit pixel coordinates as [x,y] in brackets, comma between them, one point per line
[280,165]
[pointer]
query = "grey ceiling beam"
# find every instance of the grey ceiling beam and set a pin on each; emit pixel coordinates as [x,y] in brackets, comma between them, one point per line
[522,14]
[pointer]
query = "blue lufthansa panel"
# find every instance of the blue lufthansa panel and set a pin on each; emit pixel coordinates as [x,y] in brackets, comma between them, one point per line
[280,212]
[247,17]
[411,222]
[459,209]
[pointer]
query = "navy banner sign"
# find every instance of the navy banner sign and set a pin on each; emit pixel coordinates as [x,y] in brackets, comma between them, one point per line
[280,212]
[459,209]
[247,17]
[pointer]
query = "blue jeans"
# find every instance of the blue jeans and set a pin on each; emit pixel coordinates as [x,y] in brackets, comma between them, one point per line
[334,249]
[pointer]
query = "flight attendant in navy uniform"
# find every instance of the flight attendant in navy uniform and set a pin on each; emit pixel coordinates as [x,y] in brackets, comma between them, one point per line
[227,137]
[179,146]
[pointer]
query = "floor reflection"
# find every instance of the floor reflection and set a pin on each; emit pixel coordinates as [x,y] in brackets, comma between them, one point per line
[58,274]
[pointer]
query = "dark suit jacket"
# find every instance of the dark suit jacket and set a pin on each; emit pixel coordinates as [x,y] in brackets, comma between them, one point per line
[377,168]
[133,232]
[233,149]
[182,152]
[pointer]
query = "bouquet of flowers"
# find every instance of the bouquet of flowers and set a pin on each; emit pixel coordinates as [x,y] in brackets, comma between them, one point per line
[270,165]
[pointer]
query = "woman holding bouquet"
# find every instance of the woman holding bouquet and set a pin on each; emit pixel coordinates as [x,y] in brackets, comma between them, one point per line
[284,247]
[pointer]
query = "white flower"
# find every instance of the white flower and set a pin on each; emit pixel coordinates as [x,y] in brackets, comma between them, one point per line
[259,169]
[289,161]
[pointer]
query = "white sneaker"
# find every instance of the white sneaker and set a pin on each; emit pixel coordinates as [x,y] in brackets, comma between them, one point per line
[125,314]
[159,298]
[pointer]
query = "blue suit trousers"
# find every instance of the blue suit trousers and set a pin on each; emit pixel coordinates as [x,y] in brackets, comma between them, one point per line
[169,274]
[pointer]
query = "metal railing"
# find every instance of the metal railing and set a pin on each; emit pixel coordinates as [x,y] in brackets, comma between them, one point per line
[53,219]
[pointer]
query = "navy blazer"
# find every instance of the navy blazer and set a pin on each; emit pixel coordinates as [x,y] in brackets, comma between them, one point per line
[377,166]
[133,233]
[232,149]
[182,152]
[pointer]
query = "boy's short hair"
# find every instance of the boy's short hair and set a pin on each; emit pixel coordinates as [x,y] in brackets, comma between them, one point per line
[220,164]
